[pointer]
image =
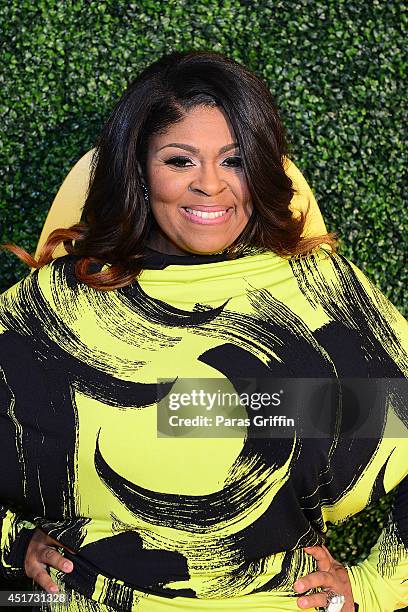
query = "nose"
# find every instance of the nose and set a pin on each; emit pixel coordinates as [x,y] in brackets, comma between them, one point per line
[208,181]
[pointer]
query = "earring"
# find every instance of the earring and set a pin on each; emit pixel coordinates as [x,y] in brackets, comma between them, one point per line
[145,192]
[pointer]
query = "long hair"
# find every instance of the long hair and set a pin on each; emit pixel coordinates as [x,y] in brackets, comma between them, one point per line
[116,219]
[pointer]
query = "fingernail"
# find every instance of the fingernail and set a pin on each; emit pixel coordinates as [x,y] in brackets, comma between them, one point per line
[299,585]
[66,566]
[54,589]
[302,602]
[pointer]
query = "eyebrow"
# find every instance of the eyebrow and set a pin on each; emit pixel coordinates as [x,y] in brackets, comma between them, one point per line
[180,145]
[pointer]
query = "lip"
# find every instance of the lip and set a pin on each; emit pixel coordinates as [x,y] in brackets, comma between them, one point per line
[208,208]
[217,221]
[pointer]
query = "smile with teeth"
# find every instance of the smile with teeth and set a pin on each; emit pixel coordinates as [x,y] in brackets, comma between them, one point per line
[206,215]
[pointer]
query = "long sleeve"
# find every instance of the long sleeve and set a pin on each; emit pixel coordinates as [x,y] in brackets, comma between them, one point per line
[15,534]
[380,582]
[383,575]
[15,529]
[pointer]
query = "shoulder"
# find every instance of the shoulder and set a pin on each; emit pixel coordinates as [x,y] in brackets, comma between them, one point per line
[28,292]
[347,295]
[47,298]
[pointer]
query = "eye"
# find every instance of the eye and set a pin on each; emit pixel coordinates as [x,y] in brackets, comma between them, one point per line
[235,161]
[178,161]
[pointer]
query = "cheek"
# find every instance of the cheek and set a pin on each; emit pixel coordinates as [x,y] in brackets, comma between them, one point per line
[242,191]
[247,206]
[166,187]
[165,216]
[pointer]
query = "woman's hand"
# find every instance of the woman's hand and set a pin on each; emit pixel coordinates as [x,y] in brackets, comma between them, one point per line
[332,576]
[41,551]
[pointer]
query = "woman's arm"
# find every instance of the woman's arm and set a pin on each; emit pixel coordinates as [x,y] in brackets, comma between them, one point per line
[67,206]
[370,461]
[25,550]
[15,529]
[380,582]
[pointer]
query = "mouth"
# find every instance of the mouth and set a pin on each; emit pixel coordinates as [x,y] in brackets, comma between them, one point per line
[207,215]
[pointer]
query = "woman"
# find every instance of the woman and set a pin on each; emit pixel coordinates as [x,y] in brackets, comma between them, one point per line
[189,265]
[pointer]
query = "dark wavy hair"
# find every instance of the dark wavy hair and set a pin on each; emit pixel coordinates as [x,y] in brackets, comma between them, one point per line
[116,220]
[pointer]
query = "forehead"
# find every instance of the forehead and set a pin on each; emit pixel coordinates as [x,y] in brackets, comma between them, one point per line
[200,126]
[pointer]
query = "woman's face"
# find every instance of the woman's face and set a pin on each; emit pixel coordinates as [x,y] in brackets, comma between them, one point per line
[197,188]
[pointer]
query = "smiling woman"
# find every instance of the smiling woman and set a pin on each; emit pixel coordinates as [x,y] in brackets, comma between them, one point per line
[190,268]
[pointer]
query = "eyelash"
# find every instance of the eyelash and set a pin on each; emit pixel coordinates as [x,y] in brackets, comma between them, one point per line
[179,158]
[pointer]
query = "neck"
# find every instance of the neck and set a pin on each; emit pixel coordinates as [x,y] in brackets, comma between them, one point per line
[158,241]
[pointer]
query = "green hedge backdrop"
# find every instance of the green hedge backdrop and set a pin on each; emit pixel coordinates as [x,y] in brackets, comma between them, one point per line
[334,67]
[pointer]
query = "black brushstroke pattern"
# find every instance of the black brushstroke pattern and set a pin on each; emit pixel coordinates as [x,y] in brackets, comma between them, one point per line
[160,313]
[350,306]
[378,489]
[187,512]
[45,414]
[150,570]
[71,531]
[86,379]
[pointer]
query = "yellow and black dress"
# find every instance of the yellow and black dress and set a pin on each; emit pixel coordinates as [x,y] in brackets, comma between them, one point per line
[165,523]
